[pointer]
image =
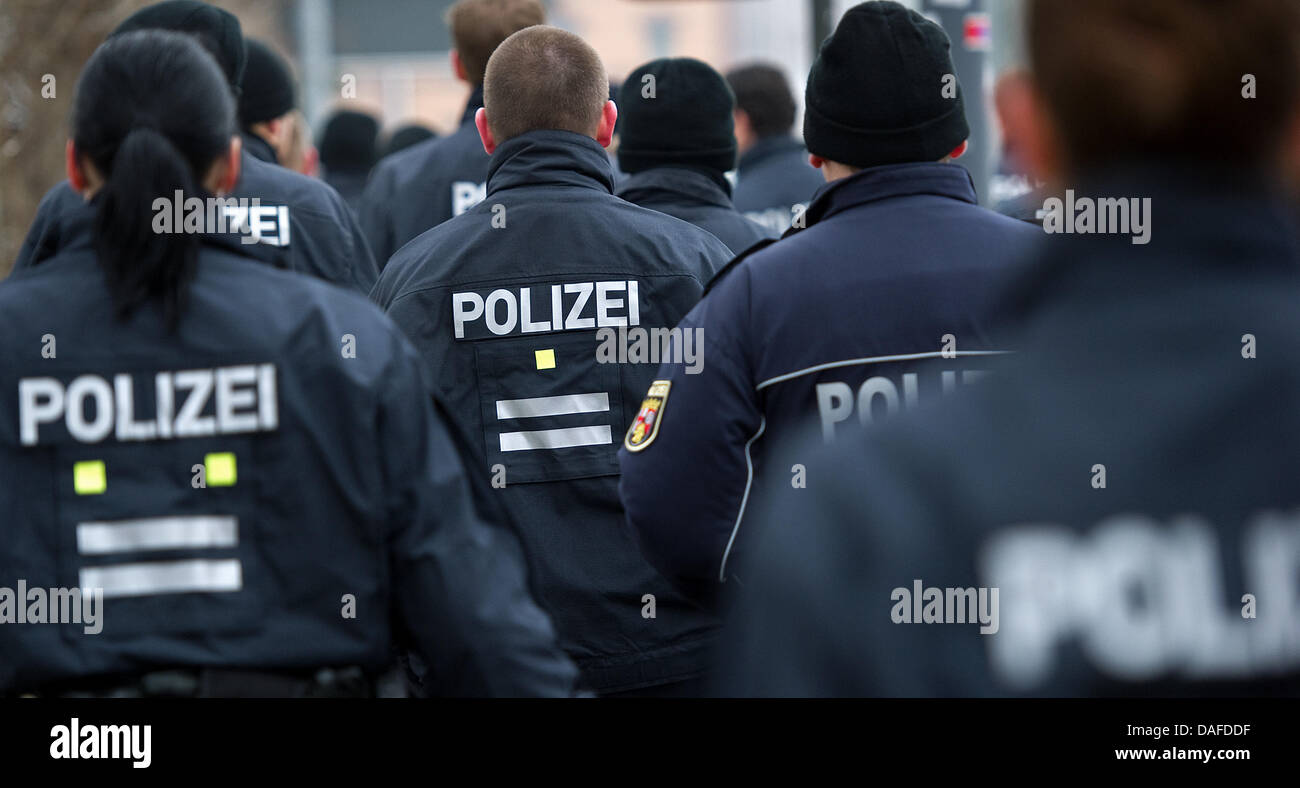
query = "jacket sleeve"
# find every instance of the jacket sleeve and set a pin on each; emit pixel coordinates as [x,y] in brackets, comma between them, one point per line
[373,213]
[42,239]
[806,622]
[459,582]
[685,488]
[363,270]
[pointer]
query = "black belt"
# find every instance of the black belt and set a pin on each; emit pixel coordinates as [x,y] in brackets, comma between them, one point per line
[348,682]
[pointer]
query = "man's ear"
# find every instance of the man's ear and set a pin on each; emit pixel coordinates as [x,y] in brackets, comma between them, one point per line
[1030,135]
[76,176]
[741,128]
[222,176]
[276,127]
[740,120]
[457,67]
[815,160]
[232,164]
[958,151]
[608,119]
[484,133]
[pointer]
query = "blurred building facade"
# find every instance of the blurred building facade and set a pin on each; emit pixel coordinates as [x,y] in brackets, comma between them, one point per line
[396,53]
[398,50]
[392,58]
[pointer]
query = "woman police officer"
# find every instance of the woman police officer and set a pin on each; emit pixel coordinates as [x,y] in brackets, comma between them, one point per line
[244,465]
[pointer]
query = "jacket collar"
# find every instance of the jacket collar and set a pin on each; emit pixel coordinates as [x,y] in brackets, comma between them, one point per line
[767,148]
[76,226]
[686,186]
[887,182]
[550,158]
[472,106]
[258,148]
[76,232]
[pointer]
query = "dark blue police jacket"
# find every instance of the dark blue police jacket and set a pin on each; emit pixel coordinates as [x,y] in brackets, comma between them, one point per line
[694,196]
[267,488]
[424,185]
[831,327]
[302,225]
[774,182]
[258,148]
[525,309]
[1126,484]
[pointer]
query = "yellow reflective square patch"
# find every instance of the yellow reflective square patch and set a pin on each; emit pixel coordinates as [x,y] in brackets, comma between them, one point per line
[645,427]
[545,358]
[89,478]
[219,469]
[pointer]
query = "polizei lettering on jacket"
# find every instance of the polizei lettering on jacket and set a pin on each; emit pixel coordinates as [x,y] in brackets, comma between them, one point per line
[1141,599]
[184,404]
[541,309]
[880,396]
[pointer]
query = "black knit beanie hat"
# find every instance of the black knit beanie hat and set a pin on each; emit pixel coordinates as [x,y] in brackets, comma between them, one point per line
[682,116]
[218,30]
[876,92]
[350,141]
[268,85]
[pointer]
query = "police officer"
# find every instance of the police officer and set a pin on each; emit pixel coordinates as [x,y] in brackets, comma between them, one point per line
[191,451]
[435,180]
[830,327]
[266,103]
[527,307]
[774,182]
[677,146]
[347,152]
[1124,485]
[300,224]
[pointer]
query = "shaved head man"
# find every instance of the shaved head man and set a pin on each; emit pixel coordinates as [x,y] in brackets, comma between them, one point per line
[518,306]
[545,78]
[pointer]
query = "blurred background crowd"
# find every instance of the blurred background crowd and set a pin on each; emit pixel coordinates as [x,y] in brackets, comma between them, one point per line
[385,65]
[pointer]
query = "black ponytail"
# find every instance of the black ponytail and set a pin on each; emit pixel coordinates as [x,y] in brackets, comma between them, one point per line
[153,113]
[140,264]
